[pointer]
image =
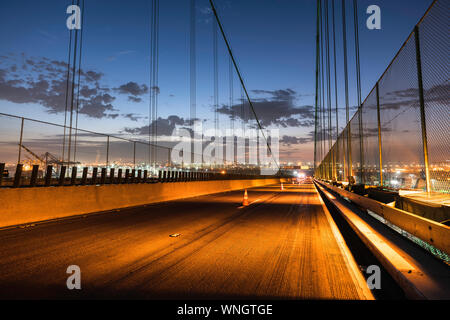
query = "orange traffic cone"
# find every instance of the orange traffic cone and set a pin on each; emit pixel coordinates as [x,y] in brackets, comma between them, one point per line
[245,202]
[282,186]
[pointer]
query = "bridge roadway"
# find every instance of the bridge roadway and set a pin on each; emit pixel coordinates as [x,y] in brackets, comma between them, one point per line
[283,245]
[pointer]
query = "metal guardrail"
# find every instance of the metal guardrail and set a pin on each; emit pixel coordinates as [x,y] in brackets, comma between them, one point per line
[434,233]
[100,176]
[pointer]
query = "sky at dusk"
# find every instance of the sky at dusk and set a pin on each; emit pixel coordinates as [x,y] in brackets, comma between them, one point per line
[273,42]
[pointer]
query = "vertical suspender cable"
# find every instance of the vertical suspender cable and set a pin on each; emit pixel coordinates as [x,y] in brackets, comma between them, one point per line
[336,153]
[156,85]
[230,75]
[73,89]
[317,87]
[216,90]
[67,92]
[233,115]
[323,125]
[193,68]
[193,62]
[151,118]
[154,89]
[78,85]
[347,111]
[327,48]
[358,83]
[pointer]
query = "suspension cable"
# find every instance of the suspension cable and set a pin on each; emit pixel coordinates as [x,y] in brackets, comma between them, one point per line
[336,155]
[241,80]
[67,91]
[193,62]
[317,85]
[153,108]
[347,108]
[216,89]
[73,89]
[78,85]
[327,48]
[358,84]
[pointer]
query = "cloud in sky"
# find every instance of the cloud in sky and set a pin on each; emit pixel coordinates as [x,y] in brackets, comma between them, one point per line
[275,107]
[290,140]
[164,126]
[44,81]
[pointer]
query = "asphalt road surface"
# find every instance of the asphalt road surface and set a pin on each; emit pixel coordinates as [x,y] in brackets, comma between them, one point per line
[281,246]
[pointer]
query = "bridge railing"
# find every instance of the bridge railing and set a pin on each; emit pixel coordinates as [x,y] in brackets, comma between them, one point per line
[399,137]
[76,176]
[26,143]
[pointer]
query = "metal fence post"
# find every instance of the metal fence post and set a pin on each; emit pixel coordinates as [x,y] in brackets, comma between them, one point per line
[168,157]
[422,109]
[20,141]
[107,151]
[349,152]
[361,146]
[380,155]
[134,154]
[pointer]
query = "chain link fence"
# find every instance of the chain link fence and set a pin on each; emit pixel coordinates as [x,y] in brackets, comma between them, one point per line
[403,123]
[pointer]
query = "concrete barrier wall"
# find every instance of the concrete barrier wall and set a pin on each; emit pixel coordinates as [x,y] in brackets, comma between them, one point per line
[26,205]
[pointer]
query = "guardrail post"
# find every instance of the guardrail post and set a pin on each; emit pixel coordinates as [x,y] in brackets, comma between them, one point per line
[422,110]
[164,176]
[127,175]
[159,176]
[18,175]
[73,178]
[119,176]
[139,175]
[111,175]
[133,176]
[34,174]
[48,176]
[94,175]
[2,172]
[103,176]
[84,176]
[380,155]
[145,175]
[62,175]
